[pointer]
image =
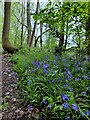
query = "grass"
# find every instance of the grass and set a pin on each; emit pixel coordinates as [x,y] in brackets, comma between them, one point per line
[58,86]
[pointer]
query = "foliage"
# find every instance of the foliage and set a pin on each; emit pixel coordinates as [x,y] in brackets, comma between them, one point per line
[58,86]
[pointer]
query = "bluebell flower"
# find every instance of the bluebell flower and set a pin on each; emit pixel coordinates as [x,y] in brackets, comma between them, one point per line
[49,81]
[88,88]
[45,66]
[53,81]
[66,79]
[56,66]
[70,89]
[57,57]
[79,63]
[65,97]
[38,64]
[88,78]
[55,62]
[29,82]
[88,113]
[67,118]
[75,107]
[85,77]
[45,71]
[66,105]
[66,85]
[49,106]
[83,93]
[30,107]
[59,79]
[33,63]
[41,118]
[64,60]
[76,79]
[78,68]
[28,70]
[47,57]
[82,114]
[44,102]
[69,74]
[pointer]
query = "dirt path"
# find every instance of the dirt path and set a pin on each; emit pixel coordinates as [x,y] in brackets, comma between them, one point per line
[13,108]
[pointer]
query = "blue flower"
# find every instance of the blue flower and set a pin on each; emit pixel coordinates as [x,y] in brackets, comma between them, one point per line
[69,74]
[30,107]
[66,85]
[53,81]
[75,107]
[45,66]
[79,63]
[78,68]
[38,64]
[65,97]
[55,62]
[64,60]
[76,79]
[56,66]
[82,114]
[67,118]
[66,79]
[28,70]
[59,79]
[66,105]
[49,106]
[47,57]
[70,89]
[29,82]
[83,93]
[88,113]
[85,77]
[45,71]
[44,102]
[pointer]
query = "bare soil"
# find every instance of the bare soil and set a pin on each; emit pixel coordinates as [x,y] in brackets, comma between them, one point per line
[13,107]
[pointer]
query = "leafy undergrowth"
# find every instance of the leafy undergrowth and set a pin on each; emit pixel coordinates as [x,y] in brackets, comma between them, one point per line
[58,86]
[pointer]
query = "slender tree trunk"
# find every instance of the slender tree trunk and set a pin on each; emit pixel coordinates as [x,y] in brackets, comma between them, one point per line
[66,35]
[6,26]
[61,38]
[88,31]
[36,40]
[28,22]
[34,28]
[22,27]
[41,28]
[16,34]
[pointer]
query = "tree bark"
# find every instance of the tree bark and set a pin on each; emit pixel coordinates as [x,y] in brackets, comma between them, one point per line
[41,28]
[88,31]
[6,26]
[34,28]
[28,22]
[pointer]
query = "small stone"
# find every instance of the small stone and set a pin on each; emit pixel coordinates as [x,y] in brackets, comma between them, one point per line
[21,113]
[7,93]
[17,111]
[14,99]
[9,75]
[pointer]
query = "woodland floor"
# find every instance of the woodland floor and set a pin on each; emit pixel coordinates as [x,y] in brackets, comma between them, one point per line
[15,109]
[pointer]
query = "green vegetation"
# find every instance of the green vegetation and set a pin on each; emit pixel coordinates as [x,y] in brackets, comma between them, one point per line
[53,62]
[58,85]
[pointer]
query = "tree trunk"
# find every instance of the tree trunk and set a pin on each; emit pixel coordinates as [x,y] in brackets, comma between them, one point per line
[6,26]
[34,28]
[28,22]
[22,19]
[66,35]
[41,28]
[88,31]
